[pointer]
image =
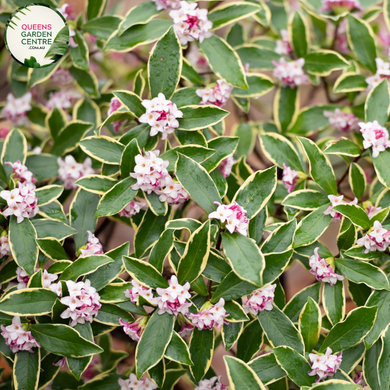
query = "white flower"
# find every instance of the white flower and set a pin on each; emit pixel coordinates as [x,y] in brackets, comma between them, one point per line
[47,279]
[342,121]
[16,109]
[166,4]
[377,239]
[322,270]
[218,95]
[340,6]
[226,166]
[290,73]
[133,208]
[173,192]
[63,99]
[337,200]
[324,365]
[233,216]
[191,23]
[375,136]
[5,249]
[283,46]
[70,170]
[260,300]
[290,178]
[93,246]
[209,317]
[213,383]
[57,288]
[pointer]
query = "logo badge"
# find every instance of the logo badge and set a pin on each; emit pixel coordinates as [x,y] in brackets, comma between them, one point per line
[37,35]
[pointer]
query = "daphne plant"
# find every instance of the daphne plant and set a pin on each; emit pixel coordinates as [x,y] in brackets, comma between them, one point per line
[223,142]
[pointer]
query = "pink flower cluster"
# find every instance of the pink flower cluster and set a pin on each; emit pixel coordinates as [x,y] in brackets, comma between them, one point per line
[22,174]
[173,300]
[283,46]
[340,6]
[289,178]
[70,170]
[218,95]
[186,329]
[114,106]
[17,337]
[5,250]
[139,290]
[326,365]
[63,99]
[233,216]
[322,270]
[210,316]
[291,73]
[371,210]
[260,300]
[136,384]
[21,202]
[16,109]
[83,302]
[161,114]
[337,200]
[377,239]
[166,4]
[375,136]
[62,77]
[133,208]
[226,166]
[152,176]
[93,246]
[382,72]
[196,59]
[22,277]
[134,329]
[191,23]
[213,383]
[342,121]
[359,379]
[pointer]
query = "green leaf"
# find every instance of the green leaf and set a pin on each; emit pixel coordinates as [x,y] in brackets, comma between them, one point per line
[249,343]
[194,259]
[311,119]
[199,117]
[223,146]
[22,241]
[47,228]
[141,13]
[377,104]
[14,149]
[136,35]
[286,106]
[161,250]
[43,166]
[144,272]
[197,182]
[244,255]
[110,314]
[280,150]
[310,324]
[48,194]
[28,302]
[357,180]
[280,239]
[229,13]
[356,214]
[382,300]
[241,376]
[171,378]
[97,184]
[132,101]
[117,198]
[320,168]
[348,333]
[164,65]
[102,27]
[256,191]
[177,350]
[201,350]
[82,212]
[48,371]
[26,369]
[267,368]
[154,341]
[350,82]
[86,80]
[383,364]
[370,365]
[235,36]
[362,42]
[324,62]
[311,227]
[224,61]
[95,8]
[148,232]
[84,266]
[362,272]
[79,53]
[102,148]
[306,199]
[275,264]
[279,329]
[344,147]
[63,340]
[295,365]
[231,333]
[217,268]
[258,58]
[300,35]
[70,136]
[185,97]
[189,73]
[52,249]
[382,167]
[294,307]
[333,301]
[258,85]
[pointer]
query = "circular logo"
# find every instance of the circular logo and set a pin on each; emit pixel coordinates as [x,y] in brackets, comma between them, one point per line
[37,35]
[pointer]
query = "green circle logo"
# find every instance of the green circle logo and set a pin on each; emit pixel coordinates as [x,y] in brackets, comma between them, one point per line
[37,35]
